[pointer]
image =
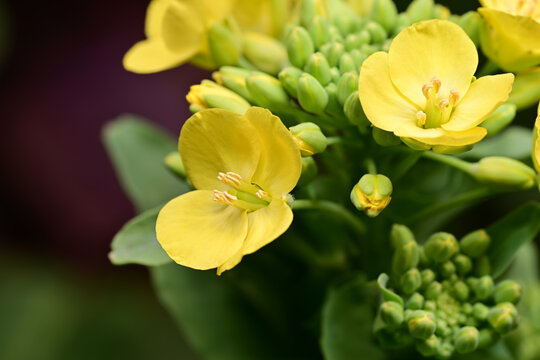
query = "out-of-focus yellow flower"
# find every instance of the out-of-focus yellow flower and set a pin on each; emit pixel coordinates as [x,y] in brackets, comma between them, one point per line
[211,95]
[177,30]
[243,167]
[510,35]
[536,142]
[423,89]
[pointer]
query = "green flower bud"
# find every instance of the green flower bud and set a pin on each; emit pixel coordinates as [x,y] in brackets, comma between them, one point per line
[265,52]
[410,281]
[415,302]
[299,46]
[346,64]
[461,291]
[504,173]
[358,57]
[503,318]
[310,10]
[309,138]
[336,75]
[434,290]
[333,107]
[317,65]
[384,138]
[447,269]
[440,12]
[266,91]
[499,119]
[470,23]
[466,340]
[507,291]
[211,95]
[402,22]
[487,338]
[335,34]
[333,52]
[443,329]
[483,287]
[174,163]
[311,94]
[372,194]
[463,264]
[467,308]
[445,350]
[419,10]
[377,32]
[405,257]
[401,235]
[429,346]
[224,45]
[430,305]
[475,243]
[428,276]
[309,171]
[289,80]
[235,79]
[385,13]
[480,311]
[319,30]
[346,23]
[421,324]
[346,86]
[352,41]
[483,266]
[391,313]
[526,89]
[441,246]
[353,111]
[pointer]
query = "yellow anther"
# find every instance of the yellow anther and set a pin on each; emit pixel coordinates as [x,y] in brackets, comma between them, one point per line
[224,198]
[261,194]
[426,89]
[454,97]
[421,118]
[436,83]
[443,104]
[230,178]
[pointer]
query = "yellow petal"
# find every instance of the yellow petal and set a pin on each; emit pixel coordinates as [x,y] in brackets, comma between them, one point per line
[149,56]
[232,262]
[432,48]
[254,16]
[280,163]
[267,224]
[154,17]
[383,104]
[217,140]
[200,233]
[182,27]
[438,136]
[484,96]
[536,150]
[212,11]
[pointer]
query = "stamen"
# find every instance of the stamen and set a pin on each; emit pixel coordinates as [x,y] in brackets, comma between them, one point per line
[454,97]
[436,83]
[421,118]
[426,89]
[224,198]
[261,194]
[443,104]
[230,178]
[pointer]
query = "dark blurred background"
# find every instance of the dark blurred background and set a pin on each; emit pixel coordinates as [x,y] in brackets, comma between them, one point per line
[61,80]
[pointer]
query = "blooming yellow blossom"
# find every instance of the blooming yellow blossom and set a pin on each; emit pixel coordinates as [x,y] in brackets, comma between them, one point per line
[423,89]
[536,142]
[510,35]
[243,167]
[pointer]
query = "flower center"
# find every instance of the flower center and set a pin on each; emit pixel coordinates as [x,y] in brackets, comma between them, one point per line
[243,195]
[438,109]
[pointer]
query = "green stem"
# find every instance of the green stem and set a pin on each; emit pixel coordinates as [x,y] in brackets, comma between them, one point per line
[455,162]
[370,166]
[332,140]
[356,224]
[489,68]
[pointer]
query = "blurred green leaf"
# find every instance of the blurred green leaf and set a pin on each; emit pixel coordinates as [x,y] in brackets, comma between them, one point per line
[137,149]
[514,142]
[347,321]
[510,233]
[136,242]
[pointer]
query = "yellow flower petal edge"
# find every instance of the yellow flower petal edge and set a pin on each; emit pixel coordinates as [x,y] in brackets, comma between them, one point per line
[243,166]
[536,142]
[426,96]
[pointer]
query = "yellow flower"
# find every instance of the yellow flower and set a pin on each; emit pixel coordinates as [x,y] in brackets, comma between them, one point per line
[510,35]
[211,95]
[536,142]
[243,167]
[423,91]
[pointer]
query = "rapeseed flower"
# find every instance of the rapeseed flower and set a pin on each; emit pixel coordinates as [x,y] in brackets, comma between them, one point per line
[536,142]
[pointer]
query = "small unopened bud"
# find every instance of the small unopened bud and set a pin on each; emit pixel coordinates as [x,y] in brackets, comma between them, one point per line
[372,194]
[266,91]
[234,79]
[415,302]
[469,22]
[480,311]
[419,10]
[310,9]
[504,173]
[289,80]
[377,32]
[211,95]
[475,243]
[299,46]
[434,290]
[385,138]
[483,287]
[428,276]
[385,13]
[391,313]
[411,281]
[447,269]
[266,53]
[463,264]
[445,350]
[346,86]
[333,52]
[503,318]
[461,291]
[429,346]
[354,112]
[309,138]
[317,65]
[440,247]
[526,89]
[440,12]
[353,41]
[421,324]
[311,94]
[224,45]
[174,163]
[507,291]
[347,64]
[401,235]
[487,338]
[319,30]
[466,340]
[309,171]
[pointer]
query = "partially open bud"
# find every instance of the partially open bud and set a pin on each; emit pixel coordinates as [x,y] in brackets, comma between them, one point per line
[475,243]
[224,45]
[526,88]
[289,80]
[385,13]
[411,281]
[507,291]
[483,287]
[266,91]
[441,246]
[174,163]
[372,194]
[391,313]
[309,138]
[234,78]
[499,119]
[211,95]
[317,65]
[503,318]
[421,324]
[299,46]
[466,339]
[311,94]
[346,86]
[429,346]
[504,173]
[265,52]
[309,171]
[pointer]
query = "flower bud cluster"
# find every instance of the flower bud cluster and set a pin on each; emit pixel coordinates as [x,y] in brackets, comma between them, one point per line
[441,297]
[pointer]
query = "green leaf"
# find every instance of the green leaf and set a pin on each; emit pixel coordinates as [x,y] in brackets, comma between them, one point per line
[514,142]
[510,233]
[347,320]
[387,294]
[136,242]
[216,317]
[137,149]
